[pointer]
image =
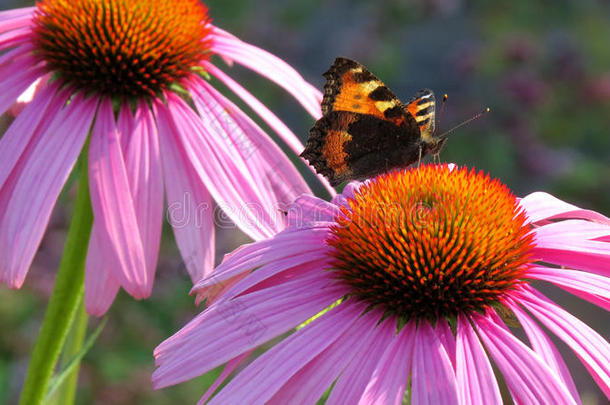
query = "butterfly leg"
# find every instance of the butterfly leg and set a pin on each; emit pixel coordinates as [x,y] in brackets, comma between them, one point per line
[419,158]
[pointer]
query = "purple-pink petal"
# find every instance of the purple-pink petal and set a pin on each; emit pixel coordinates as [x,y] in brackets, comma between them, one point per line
[274,369]
[540,206]
[228,328]
[591,348]
[34,185]
[143,165]
[591,287]
[285,245]
[219,167]
[528,378]
[269,66]
[444,333]
[570,229]
[19,16]
[357,374]
[587,255]
[16,38]
[542,345]
[113,203]
[277,180]
[476,382]
[316,376]
[293,142]
[34,119]
[189,209]
[308,210]
[228,369]
[389,378]
[23,71]
[101,286]
[432,376]
[269,117]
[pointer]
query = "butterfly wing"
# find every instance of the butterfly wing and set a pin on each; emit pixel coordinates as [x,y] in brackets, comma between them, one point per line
[365,129]
[422,107]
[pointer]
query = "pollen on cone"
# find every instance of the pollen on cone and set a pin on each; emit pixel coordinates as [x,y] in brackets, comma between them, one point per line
[122,47]
[431,242]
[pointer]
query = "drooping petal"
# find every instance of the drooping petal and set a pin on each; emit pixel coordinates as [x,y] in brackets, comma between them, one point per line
[541,206]
[528,378]
[35,185]
[15,18]
[307,210]
[475,377]
[355,377]
[271,119]
[35,118]
[229,368]
[570,229]
[100,284]
[113,203]
[591,348]
[15,38]
[139,146]
[228,328]
[389,378]
[593,256]
[28,95]
[293,142]
[311,381]
[269,66]
[444,333]
[23,71]
[189,209]
[432,376]
[143,168]
[276,273]
[348,192]
[281,252]
[542,345]
[224,174]
[276,177]
[280,367]
[591,287]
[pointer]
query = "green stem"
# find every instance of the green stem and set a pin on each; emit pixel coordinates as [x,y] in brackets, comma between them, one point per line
[74,342]
[66,297]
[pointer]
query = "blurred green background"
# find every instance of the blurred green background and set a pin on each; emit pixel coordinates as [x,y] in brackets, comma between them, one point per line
[543,68]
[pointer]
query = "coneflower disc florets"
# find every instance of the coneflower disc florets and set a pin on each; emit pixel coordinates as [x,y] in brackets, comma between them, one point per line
[431,242]
[129,48]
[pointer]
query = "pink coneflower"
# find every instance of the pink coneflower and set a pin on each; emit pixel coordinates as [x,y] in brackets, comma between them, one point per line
[132,76]
[398,289]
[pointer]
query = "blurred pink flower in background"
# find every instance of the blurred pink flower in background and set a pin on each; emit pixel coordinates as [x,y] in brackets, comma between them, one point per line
[131,76]
[398,289]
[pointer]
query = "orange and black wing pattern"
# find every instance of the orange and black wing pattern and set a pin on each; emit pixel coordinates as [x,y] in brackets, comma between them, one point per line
[365,129]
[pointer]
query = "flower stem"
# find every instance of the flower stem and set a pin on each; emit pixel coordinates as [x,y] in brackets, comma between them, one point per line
[74,342]
[66,297]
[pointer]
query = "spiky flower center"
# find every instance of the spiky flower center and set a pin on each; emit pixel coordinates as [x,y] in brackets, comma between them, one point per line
[431,242]
[129,48]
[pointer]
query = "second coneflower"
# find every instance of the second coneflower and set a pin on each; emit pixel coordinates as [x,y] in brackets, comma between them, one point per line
[396,292]
[132,75]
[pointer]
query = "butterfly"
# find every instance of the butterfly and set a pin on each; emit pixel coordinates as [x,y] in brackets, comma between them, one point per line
[365,130]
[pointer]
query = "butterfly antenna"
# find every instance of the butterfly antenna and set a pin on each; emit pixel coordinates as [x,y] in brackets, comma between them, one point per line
[469,120]
[440,113]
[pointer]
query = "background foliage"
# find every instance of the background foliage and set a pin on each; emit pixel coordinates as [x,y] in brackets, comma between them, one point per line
[543,68]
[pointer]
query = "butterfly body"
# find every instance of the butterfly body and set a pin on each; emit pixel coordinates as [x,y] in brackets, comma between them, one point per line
[365,130]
